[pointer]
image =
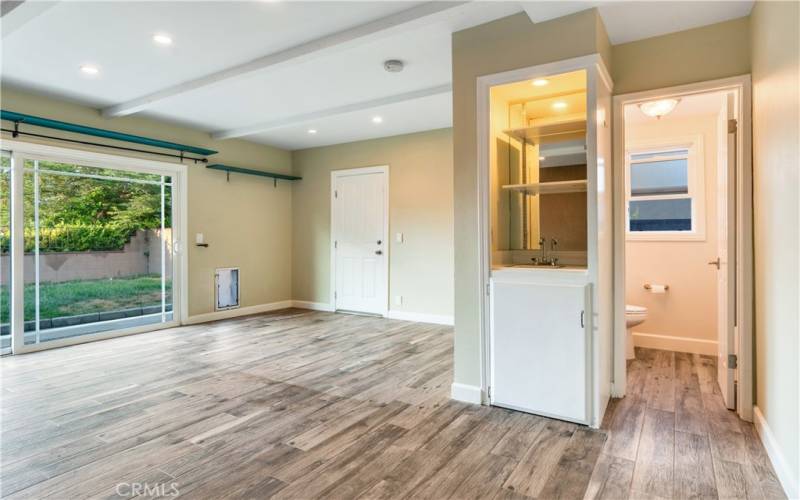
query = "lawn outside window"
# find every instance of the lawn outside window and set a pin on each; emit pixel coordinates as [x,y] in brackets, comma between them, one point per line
[664,189]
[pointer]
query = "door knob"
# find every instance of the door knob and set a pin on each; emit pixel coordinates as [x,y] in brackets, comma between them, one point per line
[715,263]
[378,252]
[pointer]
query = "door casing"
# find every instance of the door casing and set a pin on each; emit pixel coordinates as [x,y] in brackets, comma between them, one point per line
[335,174]
[741,86]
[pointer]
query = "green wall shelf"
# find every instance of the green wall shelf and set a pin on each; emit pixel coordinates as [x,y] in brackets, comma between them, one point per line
[20,118]
[249,171]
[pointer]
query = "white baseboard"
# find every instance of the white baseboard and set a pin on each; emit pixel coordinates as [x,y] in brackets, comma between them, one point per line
[240,311]
[678,344]
[776,456]
[314,306]
[420,317]
[466,393]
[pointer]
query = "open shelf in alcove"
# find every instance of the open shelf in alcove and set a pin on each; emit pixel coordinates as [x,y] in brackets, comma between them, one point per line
[578,186]
[553,131]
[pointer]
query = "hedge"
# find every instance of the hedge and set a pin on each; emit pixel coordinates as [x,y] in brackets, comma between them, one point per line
[73,238]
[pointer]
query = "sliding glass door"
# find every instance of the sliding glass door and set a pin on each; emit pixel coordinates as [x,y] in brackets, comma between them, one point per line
[5,253]
[99,248]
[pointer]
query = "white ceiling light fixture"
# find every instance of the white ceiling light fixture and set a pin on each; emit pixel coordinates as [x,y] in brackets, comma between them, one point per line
[559,105]
[312,131]
[377,119]
[89,69]
[162,39]
[659,108]
[540,82]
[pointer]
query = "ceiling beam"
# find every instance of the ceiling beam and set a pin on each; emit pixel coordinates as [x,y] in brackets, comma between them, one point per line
[325,113]
[15,14]
[539,12]
[410,18]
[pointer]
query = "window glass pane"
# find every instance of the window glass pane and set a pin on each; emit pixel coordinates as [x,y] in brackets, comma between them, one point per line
[103,172]
[5,253]
[96,250]
[660,177]
[661,215]
[653,154]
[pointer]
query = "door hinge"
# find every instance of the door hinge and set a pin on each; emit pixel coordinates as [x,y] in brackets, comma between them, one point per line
[733,126]
[733,362]
[488,288]
[335,193]
[489,393]
[335,294]
[335,244]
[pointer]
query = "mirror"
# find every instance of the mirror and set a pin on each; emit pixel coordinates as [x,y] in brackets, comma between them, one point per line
[538,165]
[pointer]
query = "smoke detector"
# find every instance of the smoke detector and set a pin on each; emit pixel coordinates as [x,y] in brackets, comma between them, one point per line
[393,66]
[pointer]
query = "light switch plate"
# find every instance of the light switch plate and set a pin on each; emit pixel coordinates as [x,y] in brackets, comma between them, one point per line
[399,237]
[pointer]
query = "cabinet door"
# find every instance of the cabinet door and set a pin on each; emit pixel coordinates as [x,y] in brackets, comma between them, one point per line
[540,347]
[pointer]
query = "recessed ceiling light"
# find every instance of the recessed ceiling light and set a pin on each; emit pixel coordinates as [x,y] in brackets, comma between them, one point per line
[377,119]
[540,82]
[89,69]
[312,131]
[162,39]
[658,108]
[559,105]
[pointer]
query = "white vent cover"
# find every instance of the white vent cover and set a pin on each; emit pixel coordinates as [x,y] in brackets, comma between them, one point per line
[227,288]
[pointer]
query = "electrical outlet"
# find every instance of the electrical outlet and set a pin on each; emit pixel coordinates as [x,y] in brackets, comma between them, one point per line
[398,300]
[399,237]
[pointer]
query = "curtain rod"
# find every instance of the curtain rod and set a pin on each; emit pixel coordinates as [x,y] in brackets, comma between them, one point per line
[15,133]
[20,118]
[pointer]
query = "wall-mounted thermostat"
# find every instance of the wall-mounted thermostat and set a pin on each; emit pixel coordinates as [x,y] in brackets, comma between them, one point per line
[227,288]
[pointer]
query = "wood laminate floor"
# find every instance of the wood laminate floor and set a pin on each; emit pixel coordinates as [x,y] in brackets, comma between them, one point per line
[298,404]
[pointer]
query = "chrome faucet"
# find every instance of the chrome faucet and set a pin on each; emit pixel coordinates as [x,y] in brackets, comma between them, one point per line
[543,260]
[554,249]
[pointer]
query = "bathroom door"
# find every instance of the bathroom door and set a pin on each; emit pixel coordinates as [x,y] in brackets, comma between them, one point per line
[360,246]
[726,251]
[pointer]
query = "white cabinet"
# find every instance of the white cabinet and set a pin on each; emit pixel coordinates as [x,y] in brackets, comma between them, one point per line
[541,348]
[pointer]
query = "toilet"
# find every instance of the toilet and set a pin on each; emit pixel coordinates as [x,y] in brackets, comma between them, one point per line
[634,315]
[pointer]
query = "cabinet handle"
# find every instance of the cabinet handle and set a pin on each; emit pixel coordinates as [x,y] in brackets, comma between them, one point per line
[582,325]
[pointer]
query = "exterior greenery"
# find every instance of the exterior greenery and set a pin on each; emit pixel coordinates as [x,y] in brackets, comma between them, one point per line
[83,213]
[88,296]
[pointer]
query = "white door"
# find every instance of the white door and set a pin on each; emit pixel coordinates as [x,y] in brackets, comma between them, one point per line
[360,245]
[540,347]
[726,251]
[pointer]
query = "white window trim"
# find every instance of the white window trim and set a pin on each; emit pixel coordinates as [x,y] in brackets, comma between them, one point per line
[696,166]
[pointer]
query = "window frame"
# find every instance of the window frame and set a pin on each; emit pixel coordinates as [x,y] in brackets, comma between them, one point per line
[696,187]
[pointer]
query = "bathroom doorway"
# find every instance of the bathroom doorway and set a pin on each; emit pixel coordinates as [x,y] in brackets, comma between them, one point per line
[683,238]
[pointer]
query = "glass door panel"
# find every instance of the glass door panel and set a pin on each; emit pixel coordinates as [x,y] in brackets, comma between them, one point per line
[98,250]
[5,253]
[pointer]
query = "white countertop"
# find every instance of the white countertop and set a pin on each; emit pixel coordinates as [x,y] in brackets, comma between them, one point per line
[528,273]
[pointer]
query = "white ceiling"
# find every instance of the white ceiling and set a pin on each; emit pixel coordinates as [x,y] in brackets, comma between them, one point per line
[329,54]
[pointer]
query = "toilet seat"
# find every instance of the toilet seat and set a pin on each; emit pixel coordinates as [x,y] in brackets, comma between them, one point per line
[631,310]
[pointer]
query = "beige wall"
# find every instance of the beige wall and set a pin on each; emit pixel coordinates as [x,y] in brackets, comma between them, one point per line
[506,44]
[246,222]
[776,161]
[689,308]
[706,53]
[420,207]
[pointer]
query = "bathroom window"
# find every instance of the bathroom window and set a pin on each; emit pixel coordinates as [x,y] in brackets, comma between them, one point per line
[664,190]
